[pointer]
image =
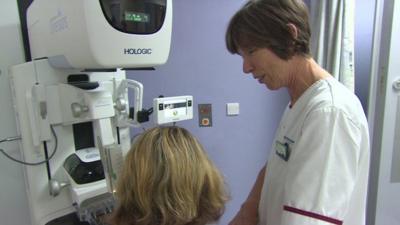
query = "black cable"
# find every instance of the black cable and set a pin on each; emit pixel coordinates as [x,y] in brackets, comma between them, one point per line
[150,111]
[37,163]
[11,139]
[46,156]
[118,136]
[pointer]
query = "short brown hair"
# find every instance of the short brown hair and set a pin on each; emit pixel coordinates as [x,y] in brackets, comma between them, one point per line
[168,179]
[264,24]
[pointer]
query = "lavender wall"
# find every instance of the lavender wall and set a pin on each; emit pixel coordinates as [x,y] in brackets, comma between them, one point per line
[200,65]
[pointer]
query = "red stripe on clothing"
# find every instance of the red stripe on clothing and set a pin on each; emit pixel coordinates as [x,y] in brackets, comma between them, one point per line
[312,215]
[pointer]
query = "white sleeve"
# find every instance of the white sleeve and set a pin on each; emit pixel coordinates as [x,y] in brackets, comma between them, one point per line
[322,170]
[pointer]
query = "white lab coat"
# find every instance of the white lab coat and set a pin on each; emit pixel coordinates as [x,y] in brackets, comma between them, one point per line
[317,171]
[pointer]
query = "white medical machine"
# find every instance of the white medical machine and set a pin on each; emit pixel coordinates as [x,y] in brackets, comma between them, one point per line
[72,106]
[100,33]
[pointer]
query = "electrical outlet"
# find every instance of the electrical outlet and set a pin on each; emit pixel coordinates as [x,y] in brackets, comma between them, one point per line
[205,115]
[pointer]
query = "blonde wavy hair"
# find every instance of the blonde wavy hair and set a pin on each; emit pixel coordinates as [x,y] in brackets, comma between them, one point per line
[167,179]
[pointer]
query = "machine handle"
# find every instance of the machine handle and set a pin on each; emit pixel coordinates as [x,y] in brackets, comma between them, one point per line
[32,119]
[396,84]
[137,88]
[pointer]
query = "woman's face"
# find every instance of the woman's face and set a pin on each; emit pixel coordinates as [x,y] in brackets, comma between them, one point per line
[265,66]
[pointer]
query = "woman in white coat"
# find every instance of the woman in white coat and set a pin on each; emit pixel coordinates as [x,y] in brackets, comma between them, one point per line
[317,170]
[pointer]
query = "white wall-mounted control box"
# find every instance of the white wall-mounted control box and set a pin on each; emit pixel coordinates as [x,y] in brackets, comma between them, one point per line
[172,109]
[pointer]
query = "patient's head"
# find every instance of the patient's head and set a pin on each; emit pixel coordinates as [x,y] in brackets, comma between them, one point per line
[167,179]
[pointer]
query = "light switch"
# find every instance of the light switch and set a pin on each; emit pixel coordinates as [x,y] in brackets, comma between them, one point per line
[232,109]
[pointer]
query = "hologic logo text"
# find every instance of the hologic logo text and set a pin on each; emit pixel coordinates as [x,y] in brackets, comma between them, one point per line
[137,51]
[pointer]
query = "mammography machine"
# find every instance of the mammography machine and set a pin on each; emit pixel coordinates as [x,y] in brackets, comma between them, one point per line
[72,106]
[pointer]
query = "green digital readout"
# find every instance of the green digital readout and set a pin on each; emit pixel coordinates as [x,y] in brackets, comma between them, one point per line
[136,17]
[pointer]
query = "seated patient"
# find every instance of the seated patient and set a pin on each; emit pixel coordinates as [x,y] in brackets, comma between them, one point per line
[167,179]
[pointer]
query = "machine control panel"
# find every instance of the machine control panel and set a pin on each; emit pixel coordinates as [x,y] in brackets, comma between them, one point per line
[173,109]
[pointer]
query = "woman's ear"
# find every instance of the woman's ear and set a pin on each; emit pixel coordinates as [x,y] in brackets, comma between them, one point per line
[293,30]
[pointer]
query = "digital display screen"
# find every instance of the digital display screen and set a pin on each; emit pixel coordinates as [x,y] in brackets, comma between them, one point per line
[175,105]
[137,17]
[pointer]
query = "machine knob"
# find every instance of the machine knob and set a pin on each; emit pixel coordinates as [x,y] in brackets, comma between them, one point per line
[55,187]
[120,104]
[78,109]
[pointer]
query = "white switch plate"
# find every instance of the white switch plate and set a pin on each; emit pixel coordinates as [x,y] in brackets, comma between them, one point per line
[232,109]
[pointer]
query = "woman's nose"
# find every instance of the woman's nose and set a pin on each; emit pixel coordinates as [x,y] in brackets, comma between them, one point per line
[247,67]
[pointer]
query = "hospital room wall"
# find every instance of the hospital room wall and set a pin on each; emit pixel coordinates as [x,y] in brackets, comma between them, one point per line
[200,65]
